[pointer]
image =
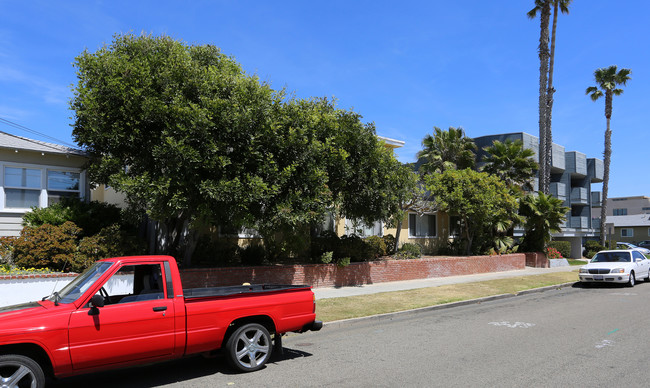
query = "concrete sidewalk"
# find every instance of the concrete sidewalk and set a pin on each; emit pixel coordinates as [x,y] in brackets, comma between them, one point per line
[337,292]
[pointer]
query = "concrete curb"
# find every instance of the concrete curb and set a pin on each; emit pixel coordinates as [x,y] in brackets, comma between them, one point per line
[344,323]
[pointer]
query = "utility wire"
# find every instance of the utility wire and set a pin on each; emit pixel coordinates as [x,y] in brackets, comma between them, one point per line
[24,128]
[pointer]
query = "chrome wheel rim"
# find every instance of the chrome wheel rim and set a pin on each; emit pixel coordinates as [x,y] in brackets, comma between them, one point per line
[16,375]
[252,348]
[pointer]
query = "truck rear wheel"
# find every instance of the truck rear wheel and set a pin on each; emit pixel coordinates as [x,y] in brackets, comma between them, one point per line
[249,347]
[19,371]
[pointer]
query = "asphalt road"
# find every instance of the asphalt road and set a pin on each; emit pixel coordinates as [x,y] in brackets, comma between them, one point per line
[574,336]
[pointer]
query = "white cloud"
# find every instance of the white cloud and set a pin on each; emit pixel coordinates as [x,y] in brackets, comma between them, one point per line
[49,92]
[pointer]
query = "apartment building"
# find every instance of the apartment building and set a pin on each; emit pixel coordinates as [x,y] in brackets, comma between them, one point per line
[572,175]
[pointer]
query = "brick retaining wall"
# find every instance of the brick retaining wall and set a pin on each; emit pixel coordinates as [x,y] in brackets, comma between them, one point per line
[328,275]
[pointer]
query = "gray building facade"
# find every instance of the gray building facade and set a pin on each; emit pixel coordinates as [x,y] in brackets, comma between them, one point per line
[572,175]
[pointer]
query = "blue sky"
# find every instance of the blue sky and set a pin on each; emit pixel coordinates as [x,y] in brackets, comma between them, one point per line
[406,66]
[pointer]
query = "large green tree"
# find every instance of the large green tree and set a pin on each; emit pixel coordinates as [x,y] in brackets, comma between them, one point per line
[411,198]
[607,79]
[483,202]
[195,142]
[445,150]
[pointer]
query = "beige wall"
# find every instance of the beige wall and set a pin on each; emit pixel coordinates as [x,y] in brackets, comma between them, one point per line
[45,159]
[634,205]
[429,244]
[108,195]
[640,233]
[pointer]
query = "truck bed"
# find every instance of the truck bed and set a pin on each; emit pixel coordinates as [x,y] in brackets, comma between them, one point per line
[190,293]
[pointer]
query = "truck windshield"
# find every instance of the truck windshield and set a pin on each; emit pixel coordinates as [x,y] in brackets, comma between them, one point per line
[80,284]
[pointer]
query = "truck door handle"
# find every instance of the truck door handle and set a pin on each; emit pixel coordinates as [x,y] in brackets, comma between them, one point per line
[160,308]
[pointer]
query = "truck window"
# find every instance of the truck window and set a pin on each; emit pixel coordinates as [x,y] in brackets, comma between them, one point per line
[134,283]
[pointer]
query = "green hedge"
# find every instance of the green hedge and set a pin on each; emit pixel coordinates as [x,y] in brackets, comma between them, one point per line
[564,247]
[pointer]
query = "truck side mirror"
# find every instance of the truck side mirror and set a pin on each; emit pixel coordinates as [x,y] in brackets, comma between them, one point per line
[97,301]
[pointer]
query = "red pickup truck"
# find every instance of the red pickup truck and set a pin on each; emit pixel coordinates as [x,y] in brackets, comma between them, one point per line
[132,310]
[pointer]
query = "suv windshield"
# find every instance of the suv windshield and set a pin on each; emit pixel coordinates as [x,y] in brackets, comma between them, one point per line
[612,257]
[80,284]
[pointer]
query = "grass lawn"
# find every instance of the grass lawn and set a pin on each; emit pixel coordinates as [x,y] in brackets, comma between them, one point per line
[334,309]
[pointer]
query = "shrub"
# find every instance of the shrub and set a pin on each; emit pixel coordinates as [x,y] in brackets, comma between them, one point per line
[328,241]
[326,257]
[376,247]
[215,252]
[389,240]
[591,248]
[46,246]
[409,251]
[252,255]
[6,250]
[91,217]
[343,262]
[111,241]
[553,253]
[355,248]
[564,247]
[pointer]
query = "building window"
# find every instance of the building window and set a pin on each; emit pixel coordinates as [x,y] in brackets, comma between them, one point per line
[454,226]
[241,232]
[645,209]
[627,232]
[61,184]
[22,187]
[620,212]
[26,187]
[326,225]
[361,229]
[422,226]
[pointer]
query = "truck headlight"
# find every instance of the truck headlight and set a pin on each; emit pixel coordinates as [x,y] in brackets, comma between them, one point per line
[584,270]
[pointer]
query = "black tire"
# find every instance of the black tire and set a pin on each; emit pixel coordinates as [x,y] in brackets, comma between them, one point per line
[20,371]
[632,280]
[249,348]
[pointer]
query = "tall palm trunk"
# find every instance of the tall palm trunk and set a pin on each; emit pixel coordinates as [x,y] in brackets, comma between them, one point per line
[549,106]
[543,82]
[607,159]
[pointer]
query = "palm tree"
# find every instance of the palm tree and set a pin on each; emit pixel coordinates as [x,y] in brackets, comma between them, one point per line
[447,150]
[544,215]
[544,8]
[607,78]
[511,162]
[563,6]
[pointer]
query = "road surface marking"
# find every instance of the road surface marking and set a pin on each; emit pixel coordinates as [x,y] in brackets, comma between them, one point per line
[604,343]
[515,325]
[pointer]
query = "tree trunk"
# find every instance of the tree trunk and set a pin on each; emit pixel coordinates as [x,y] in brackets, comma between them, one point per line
[543,83]
[606,162]
[397,234]
[190,245]
[549,106]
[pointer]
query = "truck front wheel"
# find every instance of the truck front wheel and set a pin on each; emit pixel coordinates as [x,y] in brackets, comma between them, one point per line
[249,347]
[19,371]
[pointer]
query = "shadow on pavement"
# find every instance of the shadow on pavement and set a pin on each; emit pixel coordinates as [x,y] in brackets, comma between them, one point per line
[164,373]
[598,285]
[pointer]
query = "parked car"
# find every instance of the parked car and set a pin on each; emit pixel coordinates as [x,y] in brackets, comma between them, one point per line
[624,245]
[617,266]
[644,244]
[133,310]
